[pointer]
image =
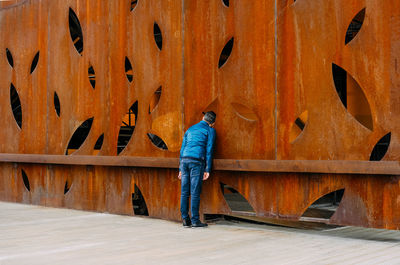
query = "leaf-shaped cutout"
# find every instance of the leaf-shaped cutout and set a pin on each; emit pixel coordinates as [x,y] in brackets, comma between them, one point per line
[381,148]
[157,141]
[16,106]
[226,52]
[325,207]
[236,201]
[213,106]
[155,99]
[127,127]
[226,2]
[75,31]
[92,77]
[158,36]
[128,70]
[35,62]
[98,145]
[25,180]
[352,96]
[138,203]
[79,136]
[57,105]
[133,4]
[67,186]
[355,26]
[244,112]
[298,126]
[9,58]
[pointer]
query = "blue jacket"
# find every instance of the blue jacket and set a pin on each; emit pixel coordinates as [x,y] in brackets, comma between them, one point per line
[198,143]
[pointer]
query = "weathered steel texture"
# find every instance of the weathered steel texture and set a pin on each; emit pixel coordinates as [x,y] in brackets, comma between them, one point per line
[279,69]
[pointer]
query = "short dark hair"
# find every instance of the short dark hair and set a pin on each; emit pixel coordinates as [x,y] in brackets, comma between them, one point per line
[210,116]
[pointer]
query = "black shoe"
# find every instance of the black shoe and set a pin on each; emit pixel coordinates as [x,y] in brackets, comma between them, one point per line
[199,224]
[187,223]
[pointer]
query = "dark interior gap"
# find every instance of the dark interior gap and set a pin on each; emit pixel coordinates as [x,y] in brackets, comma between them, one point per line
[157,141]
[340,80]
[128,70]
[92,77]
[133,4]
[25,180]
[355,26]
[158,36]
[75,30]
[57,105]
[381,148]
[326,206]
[16,105]
[235,200]
[226,52]
[127,127]
[138,203]
[35,62]
[67,187]
[10,58]
[79,136]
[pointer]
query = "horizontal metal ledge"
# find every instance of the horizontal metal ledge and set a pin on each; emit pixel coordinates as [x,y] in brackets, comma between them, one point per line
[300,166]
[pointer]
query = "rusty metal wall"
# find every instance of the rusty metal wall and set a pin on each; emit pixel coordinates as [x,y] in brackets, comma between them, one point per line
[280,67]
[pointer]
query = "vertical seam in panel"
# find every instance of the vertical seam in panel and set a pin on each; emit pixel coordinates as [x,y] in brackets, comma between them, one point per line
[183,65]
[276,80]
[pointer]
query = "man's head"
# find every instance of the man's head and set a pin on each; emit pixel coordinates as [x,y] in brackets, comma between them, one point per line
[209,117]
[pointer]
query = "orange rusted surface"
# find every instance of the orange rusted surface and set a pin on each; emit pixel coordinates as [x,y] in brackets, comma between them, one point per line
[268,68]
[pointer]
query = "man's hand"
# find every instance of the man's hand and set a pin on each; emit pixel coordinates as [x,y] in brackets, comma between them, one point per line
[206,175]
[180,175]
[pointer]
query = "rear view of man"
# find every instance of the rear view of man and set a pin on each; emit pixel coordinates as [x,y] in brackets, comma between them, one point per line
[195,166]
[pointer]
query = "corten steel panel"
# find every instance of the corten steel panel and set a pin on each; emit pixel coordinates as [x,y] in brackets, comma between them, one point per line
[247,78]
[279,67]
[312,37]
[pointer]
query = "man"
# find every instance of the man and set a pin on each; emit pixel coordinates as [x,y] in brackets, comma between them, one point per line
[195,166]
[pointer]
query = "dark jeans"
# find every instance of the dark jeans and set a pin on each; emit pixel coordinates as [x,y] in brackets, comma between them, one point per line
[191,182]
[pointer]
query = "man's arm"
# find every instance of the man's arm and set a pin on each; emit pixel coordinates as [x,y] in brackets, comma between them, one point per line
[210,150]
[181,153]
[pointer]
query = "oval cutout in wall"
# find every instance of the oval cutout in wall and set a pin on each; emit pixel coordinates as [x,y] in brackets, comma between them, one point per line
[67,187]
[236,201]
[25,180]
[158,36]
[35,62]
[92,77]
[157,141]
[98,145]
[352,96]
[75,31]
[133,4]
[127,127]
[226,2]
[57,105]
[298,126]
[355,26]
[128,70]
[244,112]
[226,53]
[16,105]
[79,136]
[138,203]
[155,99]
[381,148]
[9,58]
[324,208]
